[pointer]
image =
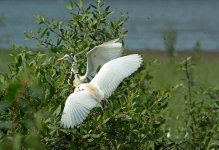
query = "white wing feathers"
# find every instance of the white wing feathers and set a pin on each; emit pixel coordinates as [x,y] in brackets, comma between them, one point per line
[112,73]
[101,54]
[77,108]
[79,104]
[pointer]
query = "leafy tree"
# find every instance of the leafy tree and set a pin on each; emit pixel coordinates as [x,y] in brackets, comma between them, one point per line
[170,37]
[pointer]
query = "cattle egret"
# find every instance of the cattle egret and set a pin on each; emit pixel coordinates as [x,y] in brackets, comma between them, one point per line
[96,57]
[89,95]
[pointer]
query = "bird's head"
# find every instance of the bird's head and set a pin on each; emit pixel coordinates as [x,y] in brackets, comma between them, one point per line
[70,57]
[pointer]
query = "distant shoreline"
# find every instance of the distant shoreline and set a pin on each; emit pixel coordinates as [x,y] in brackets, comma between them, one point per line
[206,55]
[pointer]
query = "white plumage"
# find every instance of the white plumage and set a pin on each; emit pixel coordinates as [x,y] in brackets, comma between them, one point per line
[113,72]
[77,107]
[100,55]
[96,57]
[89,95]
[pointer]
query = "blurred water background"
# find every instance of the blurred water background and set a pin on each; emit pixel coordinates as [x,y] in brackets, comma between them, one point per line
[192,20]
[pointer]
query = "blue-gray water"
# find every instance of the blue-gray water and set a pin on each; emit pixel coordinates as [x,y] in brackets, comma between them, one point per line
[193,20]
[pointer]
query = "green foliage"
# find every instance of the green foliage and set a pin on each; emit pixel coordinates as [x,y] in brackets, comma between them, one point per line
[198,126]
[202,114]
[34,94]
[4,60]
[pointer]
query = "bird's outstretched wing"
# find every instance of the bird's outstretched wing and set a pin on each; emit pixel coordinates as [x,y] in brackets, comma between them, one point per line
[77,108]
[101,54]
[113,72]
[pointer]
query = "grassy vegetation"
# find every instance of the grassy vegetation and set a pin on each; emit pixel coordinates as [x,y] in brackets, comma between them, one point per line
[167,73]
[5,59]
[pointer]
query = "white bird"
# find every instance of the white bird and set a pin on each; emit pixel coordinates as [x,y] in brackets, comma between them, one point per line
[89,95]
[96,57]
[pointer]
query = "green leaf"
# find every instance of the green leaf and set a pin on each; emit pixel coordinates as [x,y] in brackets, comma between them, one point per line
[58,110]
[70,6]
[44,32]
[19,62]
[39,30]
[80,3]
[58,41]
[93,6]
[47,33]
[96,135]
[5,124]
[148,77]
[4,105]
[17,141]
[217,104]
[107,8]
[106,120]
[12,91]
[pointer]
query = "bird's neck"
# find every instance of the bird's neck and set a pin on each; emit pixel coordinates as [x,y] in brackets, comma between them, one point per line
[77,80]
[74,68]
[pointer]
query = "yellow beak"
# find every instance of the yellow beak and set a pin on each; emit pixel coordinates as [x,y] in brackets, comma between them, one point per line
[61,59]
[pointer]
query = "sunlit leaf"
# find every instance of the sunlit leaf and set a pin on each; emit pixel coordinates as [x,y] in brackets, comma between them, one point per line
[70,6]
[80,3]
[57,111]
